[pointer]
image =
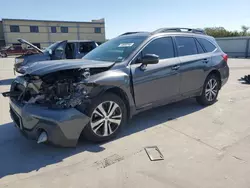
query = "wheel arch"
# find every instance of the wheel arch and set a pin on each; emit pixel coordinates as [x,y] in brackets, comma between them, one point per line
[216,73]
[122,94]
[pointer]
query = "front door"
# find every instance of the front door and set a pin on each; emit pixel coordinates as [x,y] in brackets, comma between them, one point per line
[59,51]
[156,83]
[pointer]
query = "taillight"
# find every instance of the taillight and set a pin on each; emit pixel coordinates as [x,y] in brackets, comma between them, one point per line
[225,57]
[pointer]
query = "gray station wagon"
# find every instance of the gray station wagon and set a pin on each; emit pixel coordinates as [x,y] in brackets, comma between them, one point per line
[57,101]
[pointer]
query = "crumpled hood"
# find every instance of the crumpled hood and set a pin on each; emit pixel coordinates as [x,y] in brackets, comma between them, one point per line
[45,67]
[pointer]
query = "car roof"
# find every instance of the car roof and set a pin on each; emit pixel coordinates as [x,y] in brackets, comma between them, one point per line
[71,41]
[148,34]
[135,34]
[169,33]
[183,34]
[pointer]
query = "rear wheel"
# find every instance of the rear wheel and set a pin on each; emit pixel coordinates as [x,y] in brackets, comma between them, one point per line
[210,90]
[107,115]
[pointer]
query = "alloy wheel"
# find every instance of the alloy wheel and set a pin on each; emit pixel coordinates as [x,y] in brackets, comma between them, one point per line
[211,89]
[106,118]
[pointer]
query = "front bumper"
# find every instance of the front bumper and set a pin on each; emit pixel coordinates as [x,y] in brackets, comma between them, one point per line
[63,127]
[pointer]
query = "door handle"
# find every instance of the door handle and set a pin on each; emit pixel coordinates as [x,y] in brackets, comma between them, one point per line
[176,67]
[205,60]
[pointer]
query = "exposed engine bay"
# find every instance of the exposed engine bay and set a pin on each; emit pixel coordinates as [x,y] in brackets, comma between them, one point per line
[62,89]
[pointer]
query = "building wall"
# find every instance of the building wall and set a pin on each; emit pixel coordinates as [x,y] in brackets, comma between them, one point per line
[1,31]
[2,42]
[76,31]
[235,46]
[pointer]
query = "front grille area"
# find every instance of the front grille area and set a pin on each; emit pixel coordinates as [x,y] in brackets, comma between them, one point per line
[15,118]
[20,89]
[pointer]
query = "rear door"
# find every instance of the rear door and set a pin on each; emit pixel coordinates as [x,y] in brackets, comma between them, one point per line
[84,48]
[156,83]
[193,64]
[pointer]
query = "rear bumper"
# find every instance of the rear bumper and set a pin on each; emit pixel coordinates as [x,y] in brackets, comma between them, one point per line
[224,72]
[63,127]
[224,81]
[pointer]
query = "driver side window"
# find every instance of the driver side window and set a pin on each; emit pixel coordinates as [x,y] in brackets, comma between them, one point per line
[163,47]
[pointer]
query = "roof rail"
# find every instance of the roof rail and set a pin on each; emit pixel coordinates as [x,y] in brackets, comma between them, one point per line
[129,33]
[177,29]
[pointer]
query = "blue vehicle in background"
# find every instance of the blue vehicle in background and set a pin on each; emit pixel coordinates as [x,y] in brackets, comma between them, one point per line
[68,49]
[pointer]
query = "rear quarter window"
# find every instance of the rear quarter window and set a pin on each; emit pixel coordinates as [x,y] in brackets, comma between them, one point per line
[209,47]
[199,47]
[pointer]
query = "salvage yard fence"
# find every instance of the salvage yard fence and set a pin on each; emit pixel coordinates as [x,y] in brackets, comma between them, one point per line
[235,46]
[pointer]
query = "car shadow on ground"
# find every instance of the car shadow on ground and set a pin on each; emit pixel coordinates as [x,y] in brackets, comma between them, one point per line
[6,81]
[19,155]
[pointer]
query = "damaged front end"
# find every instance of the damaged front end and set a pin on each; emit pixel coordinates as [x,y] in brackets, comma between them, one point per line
[50,108]
[58,90]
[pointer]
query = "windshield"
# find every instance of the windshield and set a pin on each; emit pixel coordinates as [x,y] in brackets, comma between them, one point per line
[116,50]
[52,47]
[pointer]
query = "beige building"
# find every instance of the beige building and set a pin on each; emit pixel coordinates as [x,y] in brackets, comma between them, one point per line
[2,42]
[42,33]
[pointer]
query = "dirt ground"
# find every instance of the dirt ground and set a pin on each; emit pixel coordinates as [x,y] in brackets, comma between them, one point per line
[202,147]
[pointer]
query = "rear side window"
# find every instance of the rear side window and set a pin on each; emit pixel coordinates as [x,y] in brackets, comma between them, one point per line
[85,47]
[199,47]
[207,45]
[186,46]
[163,47]
[16,46]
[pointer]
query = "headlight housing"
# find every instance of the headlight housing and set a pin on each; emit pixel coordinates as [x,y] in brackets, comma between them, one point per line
[19,60]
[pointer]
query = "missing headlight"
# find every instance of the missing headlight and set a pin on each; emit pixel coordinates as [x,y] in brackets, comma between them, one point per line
[19,60]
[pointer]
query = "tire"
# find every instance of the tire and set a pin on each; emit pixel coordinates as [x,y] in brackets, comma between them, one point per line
[95,129]
[209,96]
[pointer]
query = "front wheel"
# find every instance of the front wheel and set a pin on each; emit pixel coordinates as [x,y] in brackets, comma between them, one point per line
[210,91]
[107,115]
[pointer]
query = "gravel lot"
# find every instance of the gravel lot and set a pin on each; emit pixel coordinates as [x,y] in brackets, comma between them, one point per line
[202,147]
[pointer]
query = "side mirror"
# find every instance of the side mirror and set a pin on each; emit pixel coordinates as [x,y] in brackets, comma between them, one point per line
[50,52]
[149,59]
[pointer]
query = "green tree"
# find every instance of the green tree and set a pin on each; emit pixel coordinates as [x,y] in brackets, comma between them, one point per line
[244,30]
[217,32]
[222,32]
